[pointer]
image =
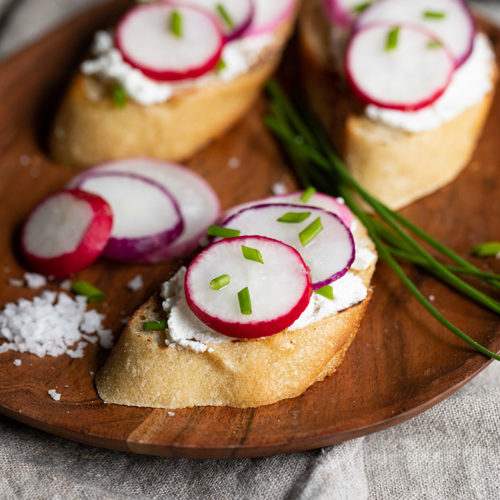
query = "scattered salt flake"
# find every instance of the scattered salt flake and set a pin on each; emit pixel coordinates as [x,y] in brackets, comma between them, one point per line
[15,282]
[66,386]
[210,349]
[91,373]
[24,160]
[432,298]
[135,283]
[65,285]
[35,280]
[278,188]
[17,362]
[233,162]
[54,395]
[170,413]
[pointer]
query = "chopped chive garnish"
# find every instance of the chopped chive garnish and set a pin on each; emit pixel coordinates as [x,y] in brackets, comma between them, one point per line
[432,14]
[176,24]
[252,254]
[149,326]
[221,65]
[222,232]
[490,249]
[84,288]
[360,7]
[306,195]
[310,232]
[434,44]
[119,96]
[392,38]
[294,217]
[326,291]
[245,302]
[225,15]
[220,282]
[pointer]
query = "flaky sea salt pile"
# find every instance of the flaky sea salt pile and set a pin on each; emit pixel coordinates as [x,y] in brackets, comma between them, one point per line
[52,324]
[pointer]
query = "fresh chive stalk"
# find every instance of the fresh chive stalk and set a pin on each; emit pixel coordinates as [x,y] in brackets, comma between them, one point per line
[392,39]
[326,291]
[150,326]
[317,163]
[220,282]
[306,195]
[294,217]
[245,302]
[88,290]
[434,44]
[119,96]
[222,232]
[433,14]
[220,66]
[176,24]
[252,254]
[357,9]
[225,15]
[490,249]
[310,232]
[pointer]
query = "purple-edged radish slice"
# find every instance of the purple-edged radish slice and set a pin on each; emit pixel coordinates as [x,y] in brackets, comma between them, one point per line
[319,200]
[66,233]
[169,42]
[398,66]
[450,21]
[345,12]
[321,238]
[240,297]
[197,201]
[270,15]
[146,216]
[234,16]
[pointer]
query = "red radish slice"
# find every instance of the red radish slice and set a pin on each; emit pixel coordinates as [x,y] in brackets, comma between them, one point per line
[146,41]
[448,20]
[66,233]
[408,77]
[197,201]
[234,16]
[329,255]
[270,15]
[318,200]
[146,216]
[279,288]
[344,12]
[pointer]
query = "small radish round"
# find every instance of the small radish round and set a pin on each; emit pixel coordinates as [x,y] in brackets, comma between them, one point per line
[329,255]
[319,200]
[344,12]
[66,233]
[450,21]
[278,288]
[146,216]
[234,16]
[409,76]
[148,42]
[198,203]
[270,15]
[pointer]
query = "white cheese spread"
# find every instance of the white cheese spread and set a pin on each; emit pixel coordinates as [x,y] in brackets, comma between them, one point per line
[108,65]
[469,84]
[187,331]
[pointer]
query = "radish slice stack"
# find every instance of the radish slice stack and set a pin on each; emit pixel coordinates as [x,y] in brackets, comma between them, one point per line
[406,73]
[248,298]
[270,15]
[329,253]
[66,233]
[170,42]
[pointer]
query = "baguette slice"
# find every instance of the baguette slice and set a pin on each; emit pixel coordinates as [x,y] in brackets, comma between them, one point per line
[142,371]
[89,129]
[396,166]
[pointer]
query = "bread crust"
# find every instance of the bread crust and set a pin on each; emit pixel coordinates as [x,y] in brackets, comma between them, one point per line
[142,371]
[88,131]
[396,166]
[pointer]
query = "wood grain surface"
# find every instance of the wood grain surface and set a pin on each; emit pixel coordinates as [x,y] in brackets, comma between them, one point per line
[401,362]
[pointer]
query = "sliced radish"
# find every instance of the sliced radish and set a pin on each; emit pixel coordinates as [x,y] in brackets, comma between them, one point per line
[450,21]
[329,255]
[146,216]
[66,233]
[279,287]
[197,201]
[410,76]
[234,16]
[345,12]
[318,200]
[270,15]
[146,40]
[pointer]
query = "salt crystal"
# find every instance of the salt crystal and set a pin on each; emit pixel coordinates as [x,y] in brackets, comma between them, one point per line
[15,282]
[135,283]
[170,413]
[65,285]
[54,395]
[17,362]
[34,280]
[278,188]
[233,162]
[24,160]
[432,298]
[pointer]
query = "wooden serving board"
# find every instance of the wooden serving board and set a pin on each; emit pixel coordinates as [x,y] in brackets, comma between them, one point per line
[401,362]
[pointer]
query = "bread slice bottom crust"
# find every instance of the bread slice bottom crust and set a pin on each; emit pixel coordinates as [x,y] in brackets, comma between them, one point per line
[396,166]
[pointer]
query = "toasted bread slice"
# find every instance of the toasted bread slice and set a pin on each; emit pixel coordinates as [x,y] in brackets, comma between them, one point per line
[143,371]
[89,129]
[396,166]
